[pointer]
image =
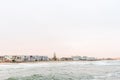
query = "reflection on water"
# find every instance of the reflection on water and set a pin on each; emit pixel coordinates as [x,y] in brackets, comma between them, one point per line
[95,70]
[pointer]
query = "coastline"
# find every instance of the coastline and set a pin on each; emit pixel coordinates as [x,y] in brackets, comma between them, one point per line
[50,62]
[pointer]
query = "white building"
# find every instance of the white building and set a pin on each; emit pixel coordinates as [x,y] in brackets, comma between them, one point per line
[83,58]
[23,58]
[35,58]
[91,59]
[76,58]
[17,58]
[7,58]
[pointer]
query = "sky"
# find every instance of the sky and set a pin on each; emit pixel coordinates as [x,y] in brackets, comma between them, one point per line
[66,27]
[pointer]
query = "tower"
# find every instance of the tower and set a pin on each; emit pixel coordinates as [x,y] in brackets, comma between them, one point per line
[54,57]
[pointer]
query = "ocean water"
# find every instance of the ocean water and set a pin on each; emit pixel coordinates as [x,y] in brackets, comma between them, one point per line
[75,70]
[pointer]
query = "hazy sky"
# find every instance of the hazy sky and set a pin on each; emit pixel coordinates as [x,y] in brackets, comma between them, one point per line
[68,27]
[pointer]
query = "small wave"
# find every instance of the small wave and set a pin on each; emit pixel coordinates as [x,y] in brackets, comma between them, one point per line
[33,77]
[52,77]
[106,63]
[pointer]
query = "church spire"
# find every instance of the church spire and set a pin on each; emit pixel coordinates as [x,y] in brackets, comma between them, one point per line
[54,57]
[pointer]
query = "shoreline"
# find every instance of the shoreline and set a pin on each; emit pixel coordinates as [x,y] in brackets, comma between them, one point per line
[50,61]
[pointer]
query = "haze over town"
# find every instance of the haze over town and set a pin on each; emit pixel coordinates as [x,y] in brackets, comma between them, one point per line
[68,27]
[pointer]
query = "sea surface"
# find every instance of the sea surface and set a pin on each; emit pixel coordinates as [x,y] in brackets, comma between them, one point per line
[75,70]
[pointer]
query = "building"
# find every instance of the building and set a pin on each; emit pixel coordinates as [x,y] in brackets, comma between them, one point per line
[91,59]
[33,58]
[76,58]
[7,58]
[66,59]
[17,58]
[41,58]
[84,58]
[23,58]
[1,58]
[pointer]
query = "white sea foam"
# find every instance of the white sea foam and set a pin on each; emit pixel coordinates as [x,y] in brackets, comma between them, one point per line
[80,70]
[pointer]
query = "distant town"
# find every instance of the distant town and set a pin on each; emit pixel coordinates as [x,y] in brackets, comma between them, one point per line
[37,58]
